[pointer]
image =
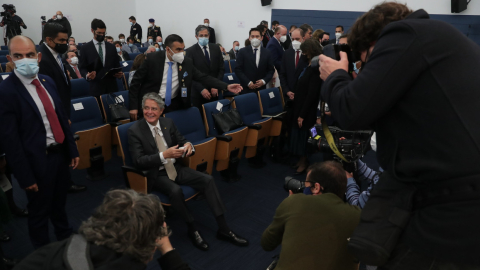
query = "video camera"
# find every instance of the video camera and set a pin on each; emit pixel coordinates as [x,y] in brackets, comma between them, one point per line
[8,10]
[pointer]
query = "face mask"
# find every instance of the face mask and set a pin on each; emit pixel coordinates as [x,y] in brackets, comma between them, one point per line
[152,24]
[27,67]
[296,45]
[237,48]
[150,40]
[373,142]
[325,43]
[61,48]
[177,57]
[255,42]
[118,49]
[355,68]
[130,44]
[131,23]
[122,40]
[206,24]
[100,38]
[59,17]
[74,60]
[160,43]
[203,41]
[283,39]
[338,35]
[157,49]
[307,191]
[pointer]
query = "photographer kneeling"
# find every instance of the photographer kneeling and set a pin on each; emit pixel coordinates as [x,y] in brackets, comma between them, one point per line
[422,100]
[313,230]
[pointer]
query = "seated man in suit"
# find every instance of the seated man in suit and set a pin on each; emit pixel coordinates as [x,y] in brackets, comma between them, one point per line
[98,57]
[150,49]
[122,55]
[171,76]
[129,47]
[72,66]
[275,46]
[233,52]
[207,58]
[254,65]
[159,41]
[155,144]
[109,39]
[122,40]
[149,42]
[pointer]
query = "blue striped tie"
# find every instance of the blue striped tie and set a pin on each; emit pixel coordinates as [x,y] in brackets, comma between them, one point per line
[168,94]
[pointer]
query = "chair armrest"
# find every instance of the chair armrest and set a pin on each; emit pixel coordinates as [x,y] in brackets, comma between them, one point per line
[255,126]
[115,124]
[279,116]
[76,137]
[224,138]
[134,170]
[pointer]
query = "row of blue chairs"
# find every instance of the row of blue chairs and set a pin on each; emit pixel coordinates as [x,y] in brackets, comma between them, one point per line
[80,87]
[229,66]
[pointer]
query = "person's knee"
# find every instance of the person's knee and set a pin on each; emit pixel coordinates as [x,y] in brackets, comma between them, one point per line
[175,192]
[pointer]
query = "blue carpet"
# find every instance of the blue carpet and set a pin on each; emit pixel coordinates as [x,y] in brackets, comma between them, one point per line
[250,204]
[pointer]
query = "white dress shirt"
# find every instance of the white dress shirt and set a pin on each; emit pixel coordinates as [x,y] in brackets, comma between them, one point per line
[103,48]
[163,87]
[32,90]
[121,55]
[208,50]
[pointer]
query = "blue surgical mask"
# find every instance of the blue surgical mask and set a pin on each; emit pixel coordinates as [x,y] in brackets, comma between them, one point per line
[237,48]
[130,44]
[160,43]
[27,67]
[118,49]
[203,41]
[150,40]
[157,49]
[355,68]
[131,23]
[307,191]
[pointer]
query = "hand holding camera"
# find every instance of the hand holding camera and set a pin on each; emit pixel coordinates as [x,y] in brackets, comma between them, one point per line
[329,65]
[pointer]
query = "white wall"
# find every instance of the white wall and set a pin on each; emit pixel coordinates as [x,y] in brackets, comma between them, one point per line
[182,16]
[114,13]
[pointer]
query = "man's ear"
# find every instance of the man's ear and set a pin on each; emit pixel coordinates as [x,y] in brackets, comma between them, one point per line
[9,58]
[39,57]
[318,188]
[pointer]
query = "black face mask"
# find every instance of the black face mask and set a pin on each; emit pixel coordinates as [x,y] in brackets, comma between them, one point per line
[325,43]
[61,48]
[100,38]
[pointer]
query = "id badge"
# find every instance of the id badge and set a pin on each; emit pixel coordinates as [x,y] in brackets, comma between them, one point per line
[184,92]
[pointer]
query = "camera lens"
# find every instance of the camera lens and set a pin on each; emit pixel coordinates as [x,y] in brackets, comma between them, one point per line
[296,186]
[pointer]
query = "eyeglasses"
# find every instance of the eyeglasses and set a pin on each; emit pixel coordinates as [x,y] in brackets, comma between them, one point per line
[153,109]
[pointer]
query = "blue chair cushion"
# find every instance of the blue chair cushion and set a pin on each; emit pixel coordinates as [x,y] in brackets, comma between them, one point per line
[127,68]
[4,47]
[271,105]
[226,67]
[3,59]
[87,118]
[233,63]
[123,135]
[189,123]
[248,107]
[80,88]
[3,52]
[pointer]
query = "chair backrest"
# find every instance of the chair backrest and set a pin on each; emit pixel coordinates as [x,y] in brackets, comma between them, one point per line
[226,66]
[139,45]
[85,114]
[271,101]
[128,67]
[3,59]
[233,62]
[127,76]
[142,49]
[110,99]
[123,138]
[80,88]
[248,107]
[133,55]
[189,123]
[4,67]
[120,86]
[3,52]
[230,78]
[4,47]
[211,108]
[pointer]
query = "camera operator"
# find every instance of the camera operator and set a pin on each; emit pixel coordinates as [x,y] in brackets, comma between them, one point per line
[12,22]
[422,100]
[313,230]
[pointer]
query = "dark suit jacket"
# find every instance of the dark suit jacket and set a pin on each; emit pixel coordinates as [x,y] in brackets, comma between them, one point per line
[90,60]
[276,50]
[246,67]
[215,69]
[154,32]
[136,32]
[125,55]
[212,38]
[72,74]
[49,66]
[286,45]
[23,132]
[288,74]
[307,97]
[232,54]
[144,151]
[148,78]
[422,100]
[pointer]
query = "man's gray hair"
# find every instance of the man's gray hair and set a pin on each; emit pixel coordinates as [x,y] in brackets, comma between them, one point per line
[155,97]
[201,28]
[128,223]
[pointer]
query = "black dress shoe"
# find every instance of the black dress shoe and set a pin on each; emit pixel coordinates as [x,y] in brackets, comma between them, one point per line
[198,241]
[76,188]
[232,238]
[19,212]
[10,263]
[4,237]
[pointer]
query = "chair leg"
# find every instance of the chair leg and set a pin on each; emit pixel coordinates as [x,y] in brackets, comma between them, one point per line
[230,174]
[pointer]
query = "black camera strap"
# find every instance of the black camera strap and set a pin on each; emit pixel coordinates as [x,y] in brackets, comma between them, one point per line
[328,134]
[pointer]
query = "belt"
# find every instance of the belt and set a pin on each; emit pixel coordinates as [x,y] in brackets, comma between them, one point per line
[54,148]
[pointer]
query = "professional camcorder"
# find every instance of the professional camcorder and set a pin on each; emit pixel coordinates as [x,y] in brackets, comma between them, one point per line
[296,186]
[8,10]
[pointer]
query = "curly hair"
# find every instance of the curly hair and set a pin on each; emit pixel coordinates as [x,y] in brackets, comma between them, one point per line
[128,223]
[368,27]
[311,48]
[316,34]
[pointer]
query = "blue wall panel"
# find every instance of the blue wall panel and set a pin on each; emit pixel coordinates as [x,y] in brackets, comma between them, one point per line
[328,20]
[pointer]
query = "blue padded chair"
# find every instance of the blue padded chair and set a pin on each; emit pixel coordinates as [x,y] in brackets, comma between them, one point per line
[4,75]
[127,68]
[226,66]
[138,45]
[248,106]
[109,99]
[4,67]
[226,142]
[133,55]
[3,52]
[137,179]
[229,78]
[142,49]
[189,123]
[126,75]
[80,88]
[88,124]
[3,59]
[120,86]
[233,63]
[272,106]
[4,47]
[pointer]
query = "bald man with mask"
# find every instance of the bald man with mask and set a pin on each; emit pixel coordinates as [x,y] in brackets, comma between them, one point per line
[59,18]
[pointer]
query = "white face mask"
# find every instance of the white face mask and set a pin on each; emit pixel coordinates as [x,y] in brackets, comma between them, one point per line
[152,24]
[150,40]
[59,17]
[177,57]
[283,39]
[74,60]
[296,45]
[338,35]
[206,24]
[373,142]
[255,42]
[122,40]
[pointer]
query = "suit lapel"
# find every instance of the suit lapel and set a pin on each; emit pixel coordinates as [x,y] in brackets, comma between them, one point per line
[49,55]
[148,133]
[252,56]
[24,93]
[166,131]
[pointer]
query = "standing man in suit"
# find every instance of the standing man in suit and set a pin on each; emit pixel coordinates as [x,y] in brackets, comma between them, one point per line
[154,144]
[212,38]
[233,52]
[37,140]
[338,33]
[55,38]
[135,30]
[97,57]
[254,65]
[307,30]
[129,47]
[72,66]
[154,30]
[208,59]
[175,85]
[60,19]
[275,46]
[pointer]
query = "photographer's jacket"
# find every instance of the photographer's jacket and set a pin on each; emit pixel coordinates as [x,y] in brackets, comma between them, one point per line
[422,98]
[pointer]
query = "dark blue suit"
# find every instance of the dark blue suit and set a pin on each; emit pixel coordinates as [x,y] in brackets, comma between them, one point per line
[276,50]
[24,141]
[247,71]
[289,74]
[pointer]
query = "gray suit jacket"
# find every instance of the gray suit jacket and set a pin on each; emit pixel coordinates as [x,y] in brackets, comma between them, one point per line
[129,49]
